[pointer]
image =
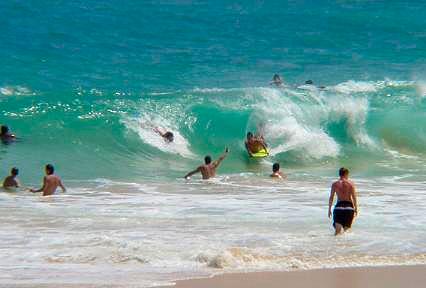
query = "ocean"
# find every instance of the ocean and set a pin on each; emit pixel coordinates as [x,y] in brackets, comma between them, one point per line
[83,83]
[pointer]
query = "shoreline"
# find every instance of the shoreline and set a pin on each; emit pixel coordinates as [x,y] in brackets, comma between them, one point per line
[410,276]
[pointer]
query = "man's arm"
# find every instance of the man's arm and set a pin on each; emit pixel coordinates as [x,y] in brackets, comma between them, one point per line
[218,161]
[247,148]
[264,145]
[62,186]
[157,130]
[330,200]
[42,188]
[354,199]
[192,172]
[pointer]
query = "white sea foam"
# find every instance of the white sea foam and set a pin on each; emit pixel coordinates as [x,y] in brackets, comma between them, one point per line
[15,90]
[209,90]
[158,230]
[290,127]
[355,87]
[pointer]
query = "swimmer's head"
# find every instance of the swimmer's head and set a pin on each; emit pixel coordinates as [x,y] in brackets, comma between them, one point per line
[207,160]
[4,130]
[343,172]
[309,82]
[49,169]
[276,77]
[249,135]
[169,136]
[14,171]
[276,167]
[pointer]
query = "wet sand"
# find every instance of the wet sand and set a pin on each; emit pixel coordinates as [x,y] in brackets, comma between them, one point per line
[366,277]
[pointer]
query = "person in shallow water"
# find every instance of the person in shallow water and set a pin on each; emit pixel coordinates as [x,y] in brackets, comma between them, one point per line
[167,136]
[276,173]
[254,143]
[11,181]
[276,80]
[346,206]
[5,135]
[50,182]
[208,169]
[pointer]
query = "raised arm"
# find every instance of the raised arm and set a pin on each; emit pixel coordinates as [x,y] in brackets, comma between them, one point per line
[42,188]
[264,145]
[330,200]
[157,130]
[193,172]
[247,148]
[218,161]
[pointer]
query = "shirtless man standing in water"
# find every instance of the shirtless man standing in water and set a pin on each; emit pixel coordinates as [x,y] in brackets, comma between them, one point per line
[208,170]
[346,206]
[50,182]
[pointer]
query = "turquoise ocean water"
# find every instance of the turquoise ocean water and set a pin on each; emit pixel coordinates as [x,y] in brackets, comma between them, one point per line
[82,83]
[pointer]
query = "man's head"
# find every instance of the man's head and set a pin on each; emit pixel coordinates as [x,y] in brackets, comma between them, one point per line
[14,171]
[343,172]
[4,130]
[249,135]
[207,160]
[169,136]
[276,167]
[309,82]
[49,169]
[276,77]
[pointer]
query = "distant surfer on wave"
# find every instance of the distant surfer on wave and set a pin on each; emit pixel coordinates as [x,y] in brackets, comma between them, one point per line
[346,206]
[255,143]
[167,135]
[276,80]
[208,169]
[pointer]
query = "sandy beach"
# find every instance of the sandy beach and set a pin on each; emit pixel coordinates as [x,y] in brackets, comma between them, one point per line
[377,277]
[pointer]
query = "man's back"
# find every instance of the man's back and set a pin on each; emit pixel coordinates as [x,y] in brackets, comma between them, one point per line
[51,184]
[208,171]
[344,190]
[10,181]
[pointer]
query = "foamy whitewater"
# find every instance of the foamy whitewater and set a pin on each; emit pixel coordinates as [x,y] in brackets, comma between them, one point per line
[83,85]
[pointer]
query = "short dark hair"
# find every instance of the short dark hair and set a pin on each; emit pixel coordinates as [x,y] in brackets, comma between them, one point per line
[249,134]
[343,171]
[208,159]
[276,167]
[4,130]
[169,136]
[309,82]
[50,169]
[14,171]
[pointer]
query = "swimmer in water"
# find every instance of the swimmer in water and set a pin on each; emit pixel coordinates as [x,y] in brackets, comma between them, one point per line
[276,80]
[208,169]
[5,135]
[255,144]
[276,173]
[346,206]
[50,182]
[167,136]
[11,181]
